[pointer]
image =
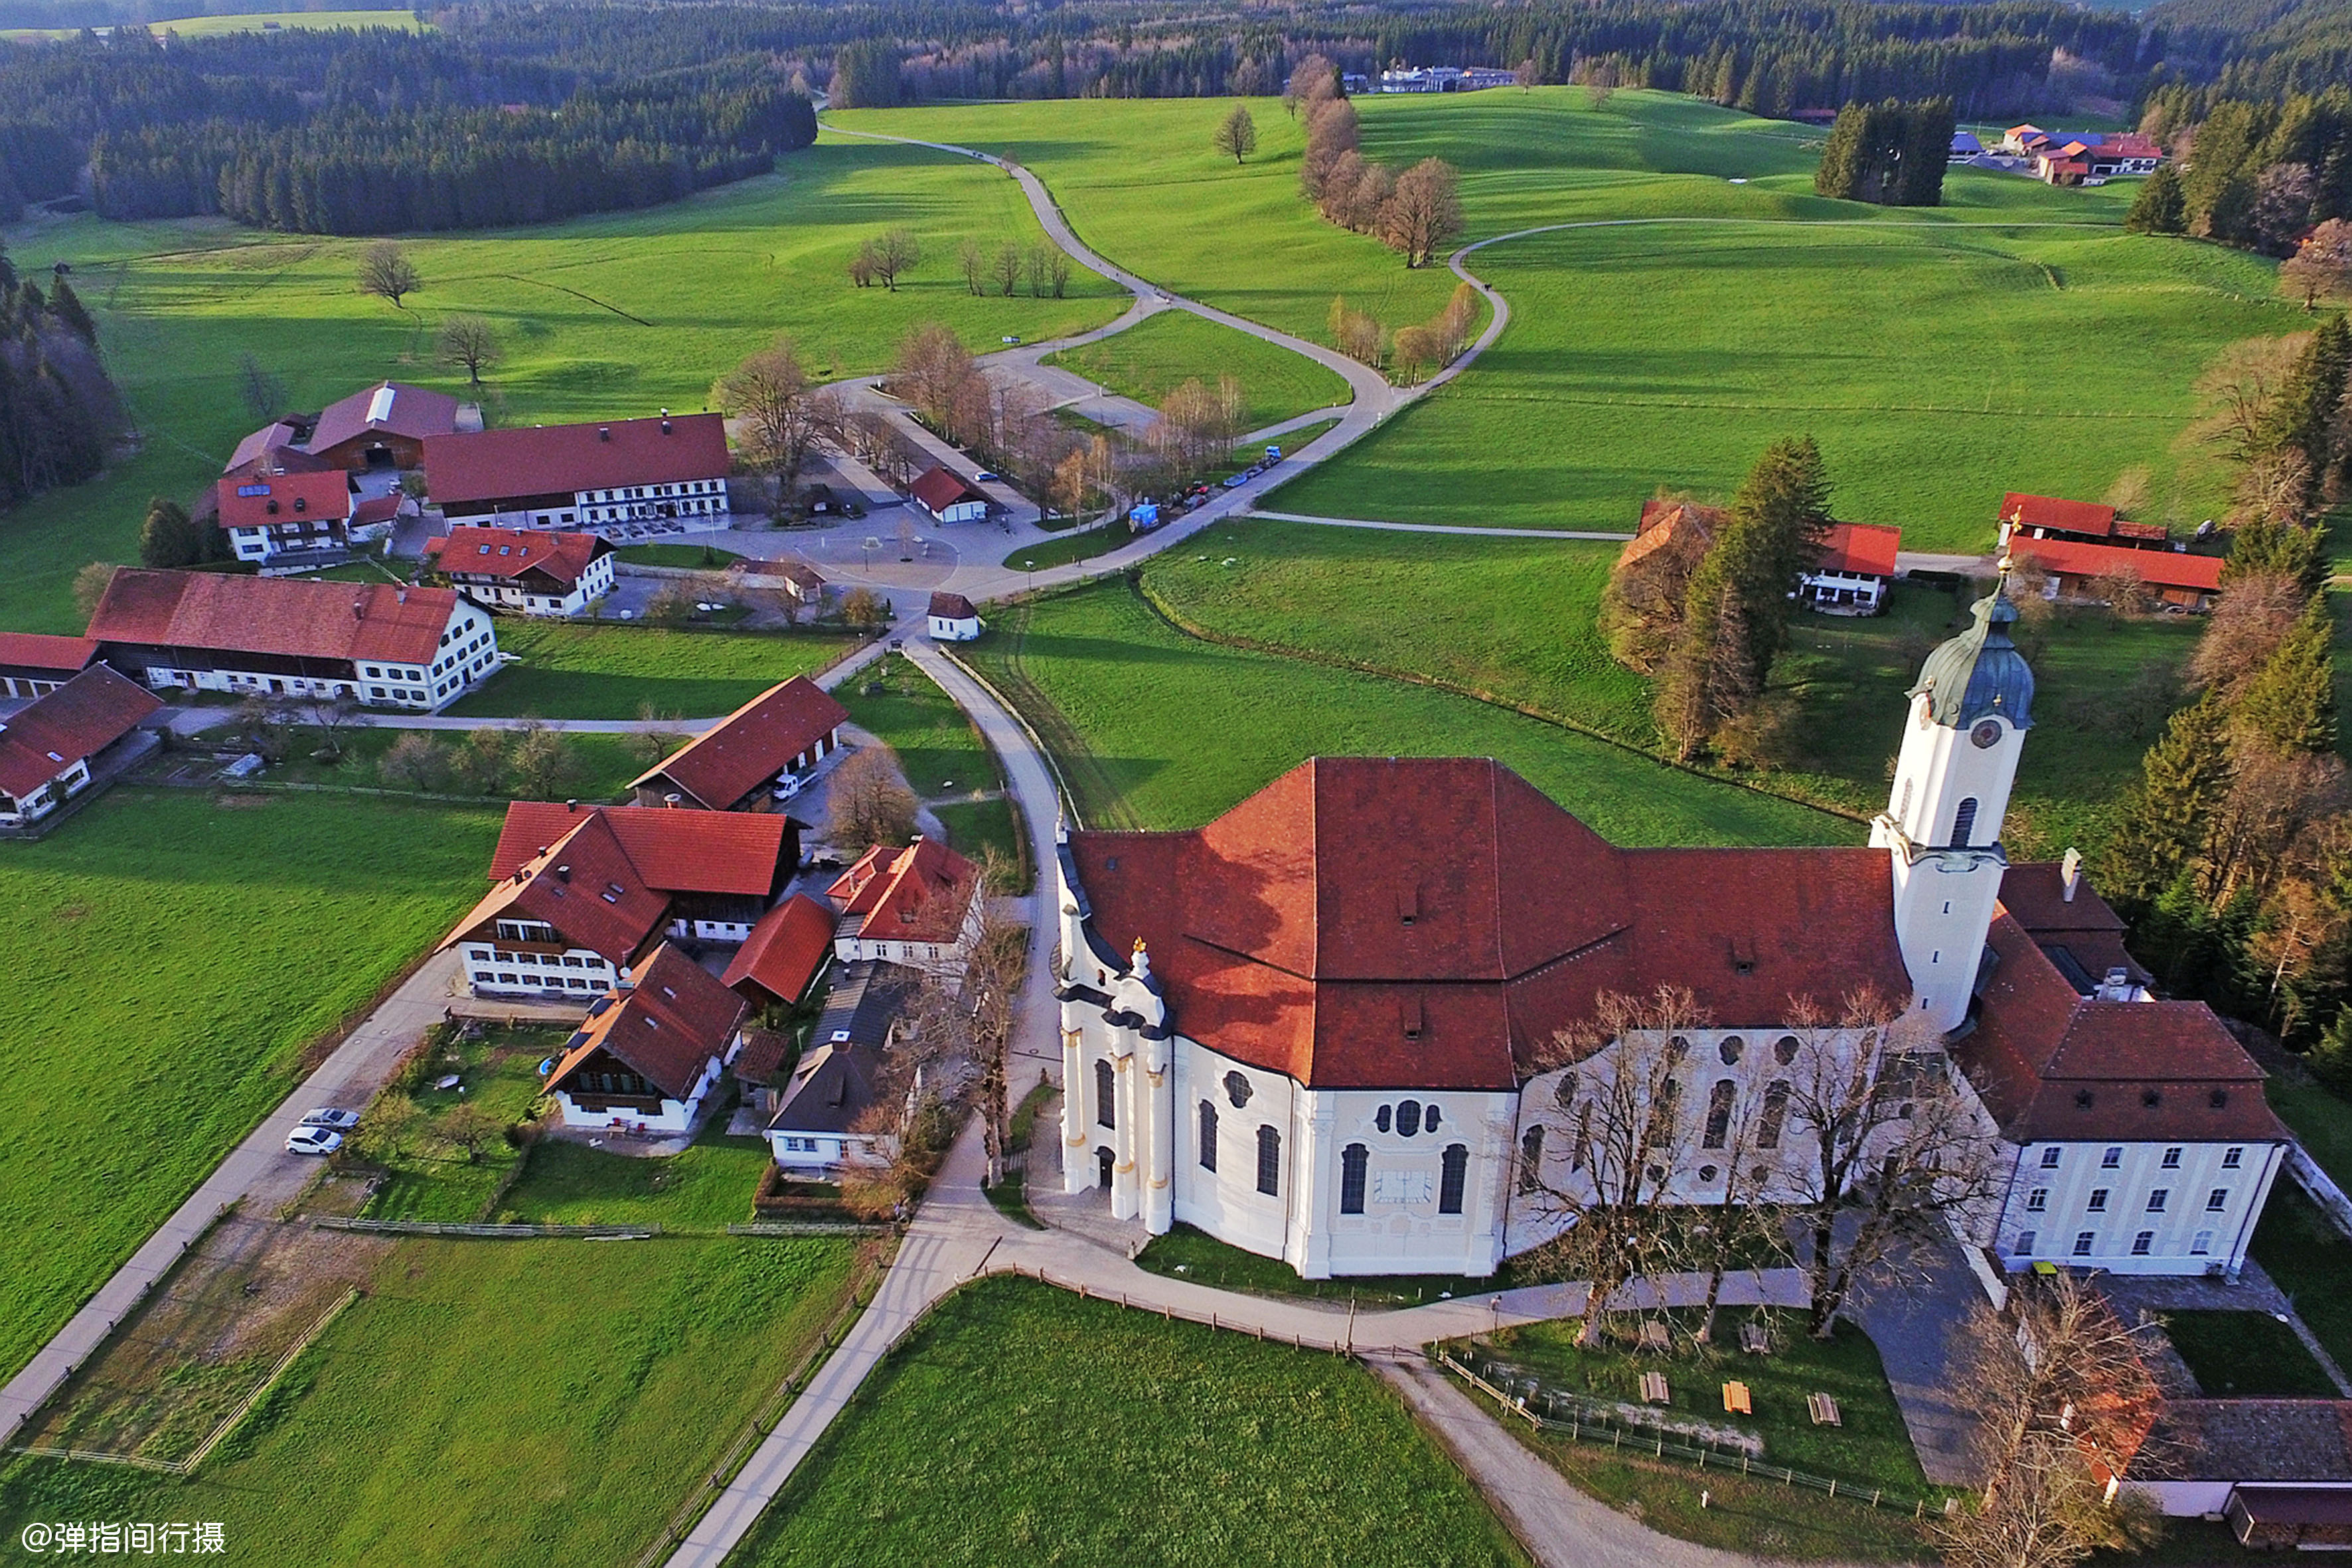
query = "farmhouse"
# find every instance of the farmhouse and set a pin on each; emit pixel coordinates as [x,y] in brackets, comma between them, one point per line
[583,895]
[912,906]
[953,618]
[743,762]
[781,962]
[538,573]
[570,476]
[648,1054]
[2085,522]
[376,643]
[1857,562]
[838,1080]
[271,516]
[2087,571]
[382,426]
[46,749]
[33,663]
[947,497]
[1344,1059]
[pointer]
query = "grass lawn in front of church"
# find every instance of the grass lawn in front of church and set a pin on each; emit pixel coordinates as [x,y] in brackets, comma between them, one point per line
[1019,1422]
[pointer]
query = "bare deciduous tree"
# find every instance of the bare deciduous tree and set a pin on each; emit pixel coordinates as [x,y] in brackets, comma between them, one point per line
[973,264]
[896,253]
[386,272]
[770,393]
[90,585]
[969,1013]
[2321,269]
[330,716]
[416,759]
[1236,134]
[1425,215]
[1006,268]
[264,392]
[470,342]
[2238,389]
[541,762]
[868,802]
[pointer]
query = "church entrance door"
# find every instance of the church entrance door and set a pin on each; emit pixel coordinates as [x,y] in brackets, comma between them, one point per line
[1102,1169]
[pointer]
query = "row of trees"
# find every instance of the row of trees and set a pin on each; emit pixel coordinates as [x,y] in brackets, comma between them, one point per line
[1892,153]
[58,410]
[2251,172]
[1417,213]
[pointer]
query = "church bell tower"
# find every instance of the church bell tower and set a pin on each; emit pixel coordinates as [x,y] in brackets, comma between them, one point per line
[1968,717]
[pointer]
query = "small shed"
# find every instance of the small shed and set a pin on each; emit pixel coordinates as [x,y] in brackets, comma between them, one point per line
[949,497]
[954,619]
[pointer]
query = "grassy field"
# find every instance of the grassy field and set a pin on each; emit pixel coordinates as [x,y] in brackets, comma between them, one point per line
[2246,1356]
[1514,620]
[573,672]
[601,765]
[2302,1252]
[175,953]
[1080,544]
[1019,1422]
[943,756]
[598,318]
[1153,729]
[1150,359]
[214,26]
[1187,1253]
[491,1403]
[706,1188]
[434,1177]
[705,557]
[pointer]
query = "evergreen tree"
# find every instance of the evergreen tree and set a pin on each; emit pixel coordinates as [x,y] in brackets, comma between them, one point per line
[2183,779]
[2304,416]
[67,307]
[2290,706]
[2290,550]
[2158,208]
[169,538]
[2331,1059]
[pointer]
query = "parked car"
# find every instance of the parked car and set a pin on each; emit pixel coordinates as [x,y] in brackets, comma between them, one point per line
[335,1120]
[988,477]
[787,787]
[313,1140]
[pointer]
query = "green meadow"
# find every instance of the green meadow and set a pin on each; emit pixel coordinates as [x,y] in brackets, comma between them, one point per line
[1019,1422]
[1162,351]
[613,315]
[569,671]
[214,26]
[491,1403]
[1155,729]
[175,953]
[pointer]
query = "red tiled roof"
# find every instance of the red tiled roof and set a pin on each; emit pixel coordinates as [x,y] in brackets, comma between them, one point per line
[583,883]
[1489,920]
[734,852]
[323,495]
[751,746]
[222,612]
[410,411]
[376,508]
[953,607]
[2050,511]
[667,1027]
[46,653]
[2051,1064]
[786,949]
[84,716]
[938,490]
[511,552]
[920,893]
[1865,549]
[274,447]
[491,465]
[2161,568]
[1667,523]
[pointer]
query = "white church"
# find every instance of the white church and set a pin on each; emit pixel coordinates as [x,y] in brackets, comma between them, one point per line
[1316,1029]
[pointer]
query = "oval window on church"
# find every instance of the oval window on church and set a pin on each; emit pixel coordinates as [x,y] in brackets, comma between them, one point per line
[1987,734]
[1784,1049]
[1409,1118]
[1238,1090]
[1730,1049]
[1380,1119]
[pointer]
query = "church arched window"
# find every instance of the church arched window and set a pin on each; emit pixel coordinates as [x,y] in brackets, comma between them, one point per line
[1408,1120]
[1531,1158]
[1964,823]
[1453,1176]
[1719,1114]
[1776,1113]
[1352,1161]
[1104,1092]
[1208,1135]
[1269,1161]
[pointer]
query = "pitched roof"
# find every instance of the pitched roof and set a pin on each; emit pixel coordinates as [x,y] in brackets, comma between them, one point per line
[920,893]
[584,884]
[667,1027]
[2054,1064]
[831,1086]
[2050,511]
[376,508]
[2247,1440]
[1865,549]
[865,1000]
[511,552]
[389,408]
[1490,920]
[938,490]
[45,652]
[734,852]
[222,612]
[323,495]
[544,459]
[2163,568]
[276,447]
[751,745]
[84,716]
[952,607]
[785,950]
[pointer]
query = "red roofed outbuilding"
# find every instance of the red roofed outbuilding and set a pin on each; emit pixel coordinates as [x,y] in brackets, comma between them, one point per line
[750,760]
[2079,571]
[947,497]
[538,573]
[33,663]
[381,426]
[787,950]
[47,750]
[626,473]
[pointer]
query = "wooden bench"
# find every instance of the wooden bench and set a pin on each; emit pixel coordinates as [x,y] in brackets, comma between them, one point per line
[1654,1388]
[1754,1339]
[1654,1336]
[1823,1410]
[1735,1401]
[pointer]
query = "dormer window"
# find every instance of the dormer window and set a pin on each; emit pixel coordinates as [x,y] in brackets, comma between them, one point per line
[2082,1100]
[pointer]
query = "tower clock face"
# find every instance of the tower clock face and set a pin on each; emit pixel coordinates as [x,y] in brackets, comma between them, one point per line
[1987,733]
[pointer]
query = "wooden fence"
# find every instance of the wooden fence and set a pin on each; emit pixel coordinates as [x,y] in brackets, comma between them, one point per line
[489,1232]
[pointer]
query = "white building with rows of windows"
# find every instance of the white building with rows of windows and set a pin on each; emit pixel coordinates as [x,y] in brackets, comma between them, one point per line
[631,471]
[1325,1027]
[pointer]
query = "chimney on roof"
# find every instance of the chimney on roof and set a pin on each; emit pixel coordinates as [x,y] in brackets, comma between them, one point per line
[563,873]
[673,800]
[2070,872]
[2118,986]
[572,806]
[604,432]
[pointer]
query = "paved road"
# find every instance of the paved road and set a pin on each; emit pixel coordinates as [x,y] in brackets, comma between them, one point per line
[258,1172]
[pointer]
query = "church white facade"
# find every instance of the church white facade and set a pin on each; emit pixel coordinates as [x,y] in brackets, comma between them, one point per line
[1314,1028]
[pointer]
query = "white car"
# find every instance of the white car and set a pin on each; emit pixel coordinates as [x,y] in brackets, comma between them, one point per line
[332,1120]
[787,787]
[313,1140]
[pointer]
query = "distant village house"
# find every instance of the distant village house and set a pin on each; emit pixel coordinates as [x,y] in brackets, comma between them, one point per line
[649,1054]
[576,476]
[512,569]
[953,618]
[947,497]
